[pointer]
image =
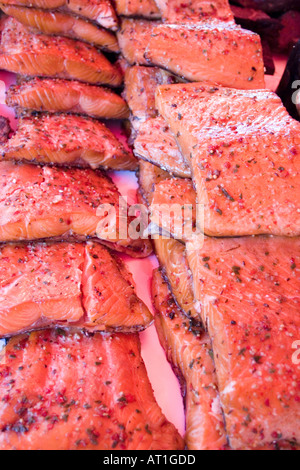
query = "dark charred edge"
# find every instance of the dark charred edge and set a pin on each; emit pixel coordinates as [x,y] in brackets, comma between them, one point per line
[5,130]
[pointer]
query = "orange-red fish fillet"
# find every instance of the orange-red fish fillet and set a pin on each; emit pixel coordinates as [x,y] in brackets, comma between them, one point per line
[62,24]
[33,55]
[188,348]
[248,294]
[90,392]
[67,140]
[100,11]
[47,202]
[68,285]
[66,96]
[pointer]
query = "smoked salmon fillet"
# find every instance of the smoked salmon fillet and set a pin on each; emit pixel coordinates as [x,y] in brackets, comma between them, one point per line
[173,261]
[194,11]
[212,51]
[173,207]
[139,8]
[155,143]
[49,202]
[66,96]
[67,140]
[90,392]
[100,11]
[62,24]
[33,55]
[140,85]
[239,143]
[70,285]
[248,294]
[188,348]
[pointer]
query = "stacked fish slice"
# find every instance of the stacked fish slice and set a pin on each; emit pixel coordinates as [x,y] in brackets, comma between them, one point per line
[82,379]
[227,294]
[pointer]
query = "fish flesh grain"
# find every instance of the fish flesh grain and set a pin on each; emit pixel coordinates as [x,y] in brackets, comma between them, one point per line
[155,143]
[212,51]
[194,11]
[62,24]
[243,148]
[69,285]
[67,140]
[188,348]
[173,208]
[139,92]
[176,271]
[100,11]
[66,96]
[50,202]
[137,8]
[34,55]
[248,294]
[148,176]
[90,392]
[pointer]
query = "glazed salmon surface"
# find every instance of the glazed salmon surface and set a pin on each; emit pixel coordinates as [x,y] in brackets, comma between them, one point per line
[100,11]
[33,55]
[71,285]
[248,294]
[213,51]
[188,348]
[230,164]
[62,24]
[148,176]
[46,202]
[67,140]
[155,143]
[66,96]
[140,8]
[194,11]
[89,393]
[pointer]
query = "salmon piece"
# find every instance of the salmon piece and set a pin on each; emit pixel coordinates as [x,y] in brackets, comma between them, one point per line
[67,140]
[173,208]
[66,96]
[213,51]
[68,285]
[194,11]
[140,8]
[47,202]
[140,85]
[148,176]
[100,378]
[188,348]
[133,39]
[172,259]
[100,11]
[33,55]
[62,24]
[229,176]
[248,294]
[155,143]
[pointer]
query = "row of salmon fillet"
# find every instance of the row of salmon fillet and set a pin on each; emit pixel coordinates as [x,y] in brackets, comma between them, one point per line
[226,309]
[227,149]
[58,269]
